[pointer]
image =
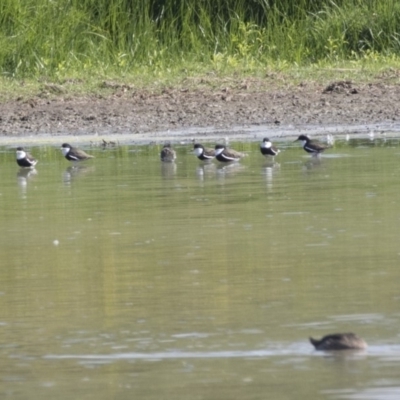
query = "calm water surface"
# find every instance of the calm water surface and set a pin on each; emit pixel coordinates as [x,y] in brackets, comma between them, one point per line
[123,278]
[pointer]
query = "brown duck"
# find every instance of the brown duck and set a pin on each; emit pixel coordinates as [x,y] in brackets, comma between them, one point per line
[339,341]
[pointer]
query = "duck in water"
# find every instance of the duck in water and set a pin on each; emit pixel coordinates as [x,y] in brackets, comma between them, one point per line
[339,341]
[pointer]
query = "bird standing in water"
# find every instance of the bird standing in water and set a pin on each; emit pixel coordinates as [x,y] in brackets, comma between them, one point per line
[224,154]
[311,146]
[24,159]
[203,153]
[73,153]
[267,149]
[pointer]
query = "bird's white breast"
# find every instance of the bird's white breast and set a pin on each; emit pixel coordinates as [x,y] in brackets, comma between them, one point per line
[20,154]
[198,151]
[65,150]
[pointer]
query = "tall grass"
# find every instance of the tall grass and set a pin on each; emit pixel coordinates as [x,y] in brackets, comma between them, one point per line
[55,38]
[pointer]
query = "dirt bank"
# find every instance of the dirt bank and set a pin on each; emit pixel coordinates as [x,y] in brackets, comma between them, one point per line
[234,107]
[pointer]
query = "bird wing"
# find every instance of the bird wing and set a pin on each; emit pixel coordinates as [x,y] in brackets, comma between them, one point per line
[81,154]
[319,146]
[231,154]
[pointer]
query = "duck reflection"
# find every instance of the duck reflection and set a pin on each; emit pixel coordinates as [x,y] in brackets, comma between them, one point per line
[24,175]
[73,171]
[168,170]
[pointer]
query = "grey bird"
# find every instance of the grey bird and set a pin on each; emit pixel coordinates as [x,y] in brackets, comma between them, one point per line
[167,154]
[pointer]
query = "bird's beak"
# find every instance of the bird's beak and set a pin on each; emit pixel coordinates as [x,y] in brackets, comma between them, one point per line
[296,140]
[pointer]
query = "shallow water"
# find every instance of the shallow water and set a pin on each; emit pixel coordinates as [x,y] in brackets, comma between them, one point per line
[124,278]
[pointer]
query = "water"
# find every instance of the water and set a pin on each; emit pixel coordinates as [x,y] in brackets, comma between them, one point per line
[124,278]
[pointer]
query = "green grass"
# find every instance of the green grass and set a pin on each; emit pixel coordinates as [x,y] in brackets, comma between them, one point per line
[369,69]
[160,43]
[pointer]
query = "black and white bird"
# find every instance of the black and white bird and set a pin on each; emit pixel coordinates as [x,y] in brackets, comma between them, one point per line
[267,149]
[24,159]
[311,146]
[203,153]
[167,154]
[339,341]
[73,153]
[224,154]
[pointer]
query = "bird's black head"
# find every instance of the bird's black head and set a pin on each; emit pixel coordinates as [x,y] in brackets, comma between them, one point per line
[303,137]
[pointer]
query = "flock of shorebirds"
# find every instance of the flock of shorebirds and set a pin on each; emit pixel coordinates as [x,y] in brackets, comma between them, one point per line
[168,154]
[337,341]
[25,160]
[226,155]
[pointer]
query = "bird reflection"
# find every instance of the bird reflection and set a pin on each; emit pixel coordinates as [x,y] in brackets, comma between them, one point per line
[205,169]
[24,175]
[168,170]
[312,163]
[227,170]
[270,169]
[73,171]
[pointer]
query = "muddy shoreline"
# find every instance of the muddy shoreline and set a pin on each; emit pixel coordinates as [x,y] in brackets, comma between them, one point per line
[244,110]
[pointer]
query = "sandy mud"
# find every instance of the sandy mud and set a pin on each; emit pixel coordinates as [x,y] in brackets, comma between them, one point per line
[244,109]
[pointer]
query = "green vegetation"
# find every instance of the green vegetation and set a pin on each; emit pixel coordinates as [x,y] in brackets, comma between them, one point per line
[146,40]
